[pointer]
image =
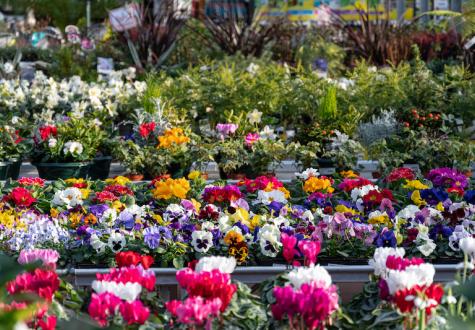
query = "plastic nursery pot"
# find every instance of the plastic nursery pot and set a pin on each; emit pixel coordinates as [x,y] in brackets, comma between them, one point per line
[54,171]
[4,168]
[100,168]
[135,177]
[14,169]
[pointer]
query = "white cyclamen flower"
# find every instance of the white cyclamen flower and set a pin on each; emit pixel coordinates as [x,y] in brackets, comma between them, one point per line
[72,147]
[380,256]
[69,197]
[223,264]
[202,240]
[127,291]
[313,274]
[467,245]
[421,275]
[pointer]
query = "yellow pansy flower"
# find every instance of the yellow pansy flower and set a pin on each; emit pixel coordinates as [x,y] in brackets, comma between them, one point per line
[54,212]
[158,218]
[348,174]
[240,215]
[343,209]
[416,198]
[118,206]
[414,184]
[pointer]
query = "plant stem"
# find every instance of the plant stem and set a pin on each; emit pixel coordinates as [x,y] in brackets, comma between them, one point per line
[422,319]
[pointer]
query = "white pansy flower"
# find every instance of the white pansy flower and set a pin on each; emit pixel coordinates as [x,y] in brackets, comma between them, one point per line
[201,240]
[74,148]
[267,197]
[269,240]
[116,242]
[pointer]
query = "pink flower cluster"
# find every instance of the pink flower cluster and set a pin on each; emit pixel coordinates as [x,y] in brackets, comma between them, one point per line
[46,256]
[226,130]
[43,282]
[261,183]
[118,292]
[312,303]
[210,293]
[292,248]
[217,194]
[195,310]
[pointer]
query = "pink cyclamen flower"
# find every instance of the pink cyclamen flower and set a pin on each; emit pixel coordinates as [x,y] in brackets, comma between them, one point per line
[134,312]
[310,250]
[288,243]
[103,306]
[226,129]
[47,256]
[195,310]
[251,138]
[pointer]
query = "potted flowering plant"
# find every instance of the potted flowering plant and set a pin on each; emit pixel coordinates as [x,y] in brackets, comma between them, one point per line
[12,148]
[66,150]
[156,147]
[248,155]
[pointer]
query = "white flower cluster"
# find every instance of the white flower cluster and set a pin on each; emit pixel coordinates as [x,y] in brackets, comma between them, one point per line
[73,96]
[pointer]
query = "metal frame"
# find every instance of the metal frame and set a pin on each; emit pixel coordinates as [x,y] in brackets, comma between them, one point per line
[258,274]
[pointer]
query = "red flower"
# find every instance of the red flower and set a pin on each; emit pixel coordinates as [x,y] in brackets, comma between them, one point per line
[130,258]
[456,190]
[134,312]
[288,243]
[105,196]
[31,182]
[47,131]
[208,285]
[146,128]
[42,282]
[432,295]
[21,197]
[401,174]
[119,190]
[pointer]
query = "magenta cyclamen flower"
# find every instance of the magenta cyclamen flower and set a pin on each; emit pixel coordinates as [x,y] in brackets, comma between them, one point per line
[47,256]
[226,129]
[195,310]
[310,250]
[311,303]
[251,138]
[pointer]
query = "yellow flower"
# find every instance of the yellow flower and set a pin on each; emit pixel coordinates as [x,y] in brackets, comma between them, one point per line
[239,252]
[415,184]
[348,174]
[85,193]
[73,181]
[194,175]
[158,218]
[196,204]
[240,215]
[169,188]
[343,209]
[7,219]
[314,184]
[233,237]
[416,198]
[255,221]
[54,212]
[120,180]
[172,136]
[118,206]
[380,220]
[75,219]
[440,207]
[285,191]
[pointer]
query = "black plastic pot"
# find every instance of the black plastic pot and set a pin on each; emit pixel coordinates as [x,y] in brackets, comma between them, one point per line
[54,171]
[100,168]
[14,169]
[4,170]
